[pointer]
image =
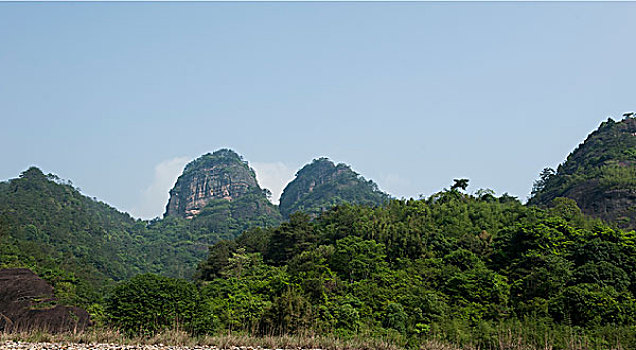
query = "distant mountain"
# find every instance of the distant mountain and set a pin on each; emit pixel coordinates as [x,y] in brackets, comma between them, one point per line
[219,191]
[600,175]
[47,225]
[322,184]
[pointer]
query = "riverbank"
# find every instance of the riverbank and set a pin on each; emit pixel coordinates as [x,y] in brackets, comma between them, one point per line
[18,345]
[173,340]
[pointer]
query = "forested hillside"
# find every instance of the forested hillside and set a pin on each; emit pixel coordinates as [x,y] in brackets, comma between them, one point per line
[49,226]
[600,175]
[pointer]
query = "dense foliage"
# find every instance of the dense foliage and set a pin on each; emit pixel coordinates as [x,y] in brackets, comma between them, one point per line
[82,245]
[322,184]
[48,226]
[600,175]
[447,264]
[231,218]
[148,303]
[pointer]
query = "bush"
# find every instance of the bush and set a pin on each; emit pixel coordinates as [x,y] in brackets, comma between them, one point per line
[395,317]
[149,303]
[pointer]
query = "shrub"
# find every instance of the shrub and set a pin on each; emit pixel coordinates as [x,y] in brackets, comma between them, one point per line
[149,303]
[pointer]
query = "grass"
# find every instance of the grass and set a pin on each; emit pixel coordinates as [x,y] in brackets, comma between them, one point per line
[514,338]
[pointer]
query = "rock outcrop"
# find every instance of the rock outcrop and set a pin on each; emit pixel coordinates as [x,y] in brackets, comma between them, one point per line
[27,302]
[600,175]
[322,184]
[219,175]
[219,193]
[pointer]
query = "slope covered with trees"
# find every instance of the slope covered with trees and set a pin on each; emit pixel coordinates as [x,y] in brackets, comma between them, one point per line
[49,226]
[457,267]
[322,184]
[72,240]
[46,223]
[600,175]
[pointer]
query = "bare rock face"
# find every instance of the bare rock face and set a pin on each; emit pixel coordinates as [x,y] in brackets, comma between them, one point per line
[27,302]
[220,175]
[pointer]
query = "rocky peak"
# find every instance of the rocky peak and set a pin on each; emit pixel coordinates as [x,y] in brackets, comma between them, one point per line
[316,173]
[219,175]
[323,184]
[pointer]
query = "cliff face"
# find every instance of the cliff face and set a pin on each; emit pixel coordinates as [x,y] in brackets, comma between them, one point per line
[220,175]
[322,184]
[27,302]
[220,194]
[600,175]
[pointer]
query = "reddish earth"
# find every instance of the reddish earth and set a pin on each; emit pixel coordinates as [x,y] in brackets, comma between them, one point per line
[28,302]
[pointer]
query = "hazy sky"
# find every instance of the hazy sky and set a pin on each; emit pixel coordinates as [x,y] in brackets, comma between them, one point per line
[117,97]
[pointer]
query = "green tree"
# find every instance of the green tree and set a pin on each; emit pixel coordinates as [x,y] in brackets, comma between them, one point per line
[149,303]
[460,184]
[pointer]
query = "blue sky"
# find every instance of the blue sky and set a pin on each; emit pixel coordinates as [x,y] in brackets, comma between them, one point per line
[118,97]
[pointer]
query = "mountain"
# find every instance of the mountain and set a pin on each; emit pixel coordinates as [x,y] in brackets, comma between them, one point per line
[47,225]
[406,268]
[322,184]
[50,227]
[600,175]
[219,191]
[44,214]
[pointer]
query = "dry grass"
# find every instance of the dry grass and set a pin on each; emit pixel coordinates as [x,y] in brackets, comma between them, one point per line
[506,341]
[176,338]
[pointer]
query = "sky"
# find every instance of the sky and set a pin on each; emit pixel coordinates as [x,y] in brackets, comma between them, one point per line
[118,97]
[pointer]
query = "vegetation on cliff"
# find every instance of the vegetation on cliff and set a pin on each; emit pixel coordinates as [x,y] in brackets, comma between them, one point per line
[322,184]
[600,175]
[220,193]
